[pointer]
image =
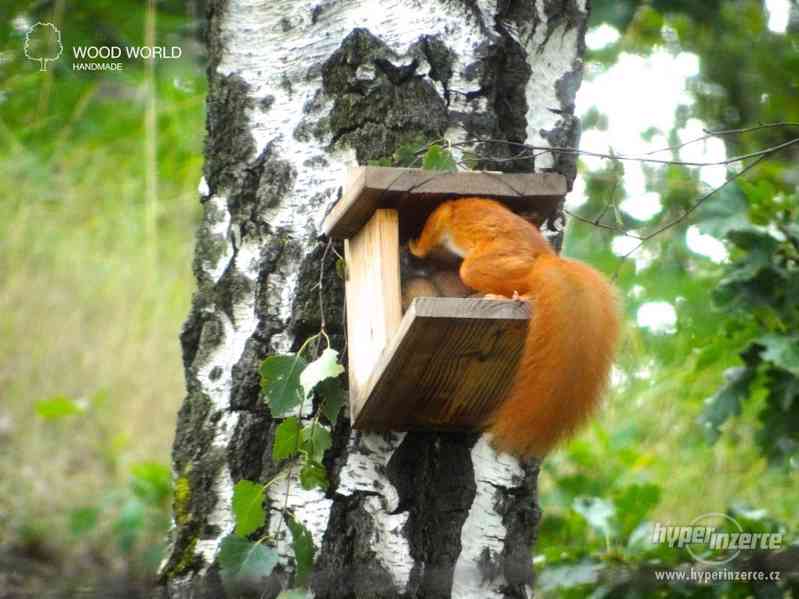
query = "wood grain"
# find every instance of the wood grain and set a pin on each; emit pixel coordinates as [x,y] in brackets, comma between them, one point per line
[417,192]
[373,296]
[450,361]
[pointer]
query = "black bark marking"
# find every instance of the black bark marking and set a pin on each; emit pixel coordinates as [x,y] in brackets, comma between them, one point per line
[440,58]
[193,447]
[245,453]
[379,101]
[229,145]
[306,314]
[502,73]
[434,477]
[378,105]
[251,185]
[520,516]
[346,566]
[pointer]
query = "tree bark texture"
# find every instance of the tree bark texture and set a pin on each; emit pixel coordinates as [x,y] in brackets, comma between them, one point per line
[298,92]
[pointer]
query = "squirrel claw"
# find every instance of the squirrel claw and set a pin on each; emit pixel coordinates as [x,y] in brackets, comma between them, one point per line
[515,298]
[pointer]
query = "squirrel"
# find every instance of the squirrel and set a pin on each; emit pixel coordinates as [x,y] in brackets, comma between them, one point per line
[572,334]
[432,280]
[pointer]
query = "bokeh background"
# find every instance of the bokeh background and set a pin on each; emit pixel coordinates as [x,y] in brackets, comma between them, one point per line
[95,281]
[98,189]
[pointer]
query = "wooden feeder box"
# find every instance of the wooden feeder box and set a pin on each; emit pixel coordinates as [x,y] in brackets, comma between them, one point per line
[447,361]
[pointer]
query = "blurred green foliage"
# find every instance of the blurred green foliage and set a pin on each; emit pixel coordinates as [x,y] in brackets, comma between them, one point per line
[133,518]
[759,292]
[705,417]
[91,296]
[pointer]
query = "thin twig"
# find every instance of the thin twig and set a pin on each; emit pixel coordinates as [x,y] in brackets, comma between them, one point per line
[611,201]
[688,211]
[710,133]
[576,152]
[599,225]
[322,288]
[702,199]
[530,151]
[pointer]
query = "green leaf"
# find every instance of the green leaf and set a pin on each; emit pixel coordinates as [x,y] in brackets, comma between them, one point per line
[151,482]
[645,29]
[324,367]
[333,397]
[640,539]
[303,549]
[129,524]
[634,503]
[248,507]
[726,212]
[597,512]
[243,559]
[792,231]
[341,269]
[471,160]
[294,594]
[438,159]
[280,382]
[754,240]
[782,351]
[778,436]
[760,196]
[57,407]
[100,398]
[312,475]
[406,154]
[568,576]
[83,520]
[287,439]
[316,440]
[619,217]
[727,401]
[753,519]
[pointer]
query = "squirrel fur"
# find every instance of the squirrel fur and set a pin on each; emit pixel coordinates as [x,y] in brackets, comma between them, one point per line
[572,334]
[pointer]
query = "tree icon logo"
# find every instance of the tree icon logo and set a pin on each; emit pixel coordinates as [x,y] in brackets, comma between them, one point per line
[43,43]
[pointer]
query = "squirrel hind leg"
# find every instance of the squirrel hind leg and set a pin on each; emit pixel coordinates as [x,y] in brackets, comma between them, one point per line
[486,272]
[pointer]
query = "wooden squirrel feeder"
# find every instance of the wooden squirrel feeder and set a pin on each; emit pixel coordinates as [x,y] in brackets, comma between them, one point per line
[447,361]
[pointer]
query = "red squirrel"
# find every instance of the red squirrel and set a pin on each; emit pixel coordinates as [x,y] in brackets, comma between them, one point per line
[574,328]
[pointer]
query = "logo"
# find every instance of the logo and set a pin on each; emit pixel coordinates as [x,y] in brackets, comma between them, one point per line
[714,539]
[43,44]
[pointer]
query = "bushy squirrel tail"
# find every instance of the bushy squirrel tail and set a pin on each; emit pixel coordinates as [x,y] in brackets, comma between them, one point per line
[566,360]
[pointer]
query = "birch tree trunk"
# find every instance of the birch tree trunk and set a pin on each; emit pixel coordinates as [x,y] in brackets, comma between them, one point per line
[299,91]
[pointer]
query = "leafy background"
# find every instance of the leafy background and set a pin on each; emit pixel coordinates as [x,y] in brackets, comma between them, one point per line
[94,284]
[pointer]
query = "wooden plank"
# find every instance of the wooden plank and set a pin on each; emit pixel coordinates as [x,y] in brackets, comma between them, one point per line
[371,187]
[373,295]
[449,363]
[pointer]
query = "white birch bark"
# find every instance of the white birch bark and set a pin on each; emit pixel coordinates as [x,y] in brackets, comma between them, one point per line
[266,78]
